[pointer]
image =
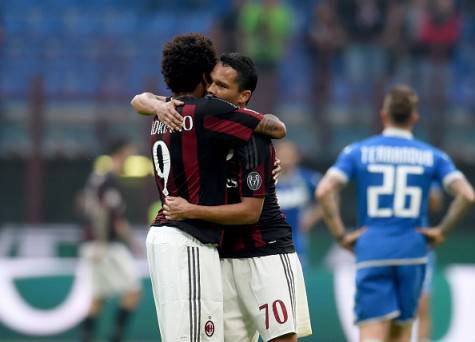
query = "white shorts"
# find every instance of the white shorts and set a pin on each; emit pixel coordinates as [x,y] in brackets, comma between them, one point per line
[186,283]
[266,296]
[114,272]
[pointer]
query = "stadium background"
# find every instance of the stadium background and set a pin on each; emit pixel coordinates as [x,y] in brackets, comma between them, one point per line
[68,69]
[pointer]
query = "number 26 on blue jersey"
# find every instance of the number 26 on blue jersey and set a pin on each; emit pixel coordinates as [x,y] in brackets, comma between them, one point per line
[394,184]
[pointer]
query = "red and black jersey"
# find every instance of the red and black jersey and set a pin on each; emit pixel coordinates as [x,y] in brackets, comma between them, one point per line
[103,206]
[192,163]
[250,172]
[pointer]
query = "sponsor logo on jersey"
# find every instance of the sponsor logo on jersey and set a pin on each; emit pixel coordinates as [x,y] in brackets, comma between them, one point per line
[254,181]
[231,183]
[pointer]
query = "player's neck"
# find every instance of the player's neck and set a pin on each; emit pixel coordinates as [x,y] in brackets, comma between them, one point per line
[393,126]
[395,130]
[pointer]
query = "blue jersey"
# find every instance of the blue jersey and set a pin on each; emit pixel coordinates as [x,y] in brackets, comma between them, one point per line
[393,174]
[295,193]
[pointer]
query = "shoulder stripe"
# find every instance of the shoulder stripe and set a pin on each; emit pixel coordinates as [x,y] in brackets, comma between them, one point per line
[452,176]
[337,173]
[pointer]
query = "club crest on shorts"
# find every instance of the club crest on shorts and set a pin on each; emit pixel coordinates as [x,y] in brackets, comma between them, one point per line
[254,181]
[209,328]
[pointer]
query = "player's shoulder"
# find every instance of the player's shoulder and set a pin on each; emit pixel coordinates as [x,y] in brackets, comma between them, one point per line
[258,145]
[435,150]
[211,105]
[353,147]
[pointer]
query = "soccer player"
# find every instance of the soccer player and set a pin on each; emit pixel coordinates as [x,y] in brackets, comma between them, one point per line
[190,163]
[393,174]
[295,191]
[264,289]
[109,261]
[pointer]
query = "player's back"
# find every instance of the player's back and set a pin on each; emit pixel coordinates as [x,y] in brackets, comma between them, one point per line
[191,163]
[393,175]
[103,205]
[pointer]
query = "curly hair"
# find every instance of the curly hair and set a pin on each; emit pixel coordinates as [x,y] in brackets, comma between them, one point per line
[185,60]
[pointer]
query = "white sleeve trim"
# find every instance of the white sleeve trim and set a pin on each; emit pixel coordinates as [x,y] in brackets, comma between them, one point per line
[337,173]
[452,176]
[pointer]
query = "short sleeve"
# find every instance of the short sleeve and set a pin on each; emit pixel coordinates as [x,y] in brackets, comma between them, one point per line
[226,122]
[254,162]
[445,170]
[344,167]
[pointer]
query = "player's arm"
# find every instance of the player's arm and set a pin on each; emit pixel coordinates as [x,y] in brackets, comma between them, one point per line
[151,104]
[464,198]
[272,127]
[247,211]
[122,229]
[226,122]
[327,194]
[314,213]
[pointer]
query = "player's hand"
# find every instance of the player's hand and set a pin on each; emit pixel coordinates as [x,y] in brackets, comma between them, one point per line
[348,241]
[277,170]
[435,236]
[166,113]
[176,208]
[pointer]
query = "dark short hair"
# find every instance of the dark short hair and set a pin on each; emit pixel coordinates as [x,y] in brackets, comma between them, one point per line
[245,68]
[400,103]
[116,144]
[185,60]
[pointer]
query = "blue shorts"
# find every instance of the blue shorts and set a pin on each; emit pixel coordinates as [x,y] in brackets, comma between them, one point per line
[388,293]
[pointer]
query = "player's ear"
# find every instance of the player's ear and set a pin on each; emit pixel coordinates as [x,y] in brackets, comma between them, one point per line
[415,117]
[245,96]
[384,117]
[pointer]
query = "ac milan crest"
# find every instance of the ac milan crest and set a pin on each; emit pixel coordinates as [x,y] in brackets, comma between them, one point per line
[254,181]
[209,328]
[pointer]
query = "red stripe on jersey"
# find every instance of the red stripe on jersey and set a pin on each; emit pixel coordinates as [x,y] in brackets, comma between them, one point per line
[250,112]
[190,157]
[227,127]
[257,237]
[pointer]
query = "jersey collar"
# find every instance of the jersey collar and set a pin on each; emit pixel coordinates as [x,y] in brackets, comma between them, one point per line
[398,132]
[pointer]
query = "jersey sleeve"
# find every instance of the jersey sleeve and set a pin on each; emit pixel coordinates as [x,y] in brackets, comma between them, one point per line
[225,122]
[254,162]
[445,170]
[344,167]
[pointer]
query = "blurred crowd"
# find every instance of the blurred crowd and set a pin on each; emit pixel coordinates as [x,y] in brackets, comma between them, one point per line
[335,58]
[323,65]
